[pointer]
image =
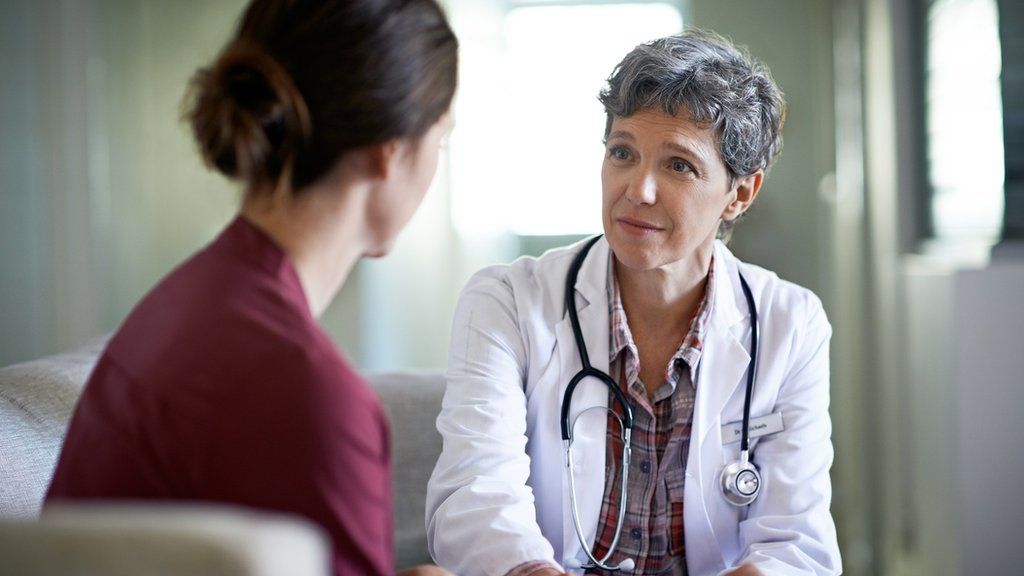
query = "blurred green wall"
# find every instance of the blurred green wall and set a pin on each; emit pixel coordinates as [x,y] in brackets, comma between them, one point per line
[101,192]
[788,228]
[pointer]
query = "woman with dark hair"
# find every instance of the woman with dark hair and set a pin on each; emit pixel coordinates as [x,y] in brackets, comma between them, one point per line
[220,385]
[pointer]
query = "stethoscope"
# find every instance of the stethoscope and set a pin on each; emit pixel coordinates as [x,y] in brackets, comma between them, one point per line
[740,480]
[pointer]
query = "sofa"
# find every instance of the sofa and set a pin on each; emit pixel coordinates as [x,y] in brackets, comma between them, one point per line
[36,401]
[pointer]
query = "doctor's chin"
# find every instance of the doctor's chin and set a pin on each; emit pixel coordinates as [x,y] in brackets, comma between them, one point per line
[511,288]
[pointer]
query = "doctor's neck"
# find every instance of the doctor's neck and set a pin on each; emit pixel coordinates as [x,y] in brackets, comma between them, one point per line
[667,295]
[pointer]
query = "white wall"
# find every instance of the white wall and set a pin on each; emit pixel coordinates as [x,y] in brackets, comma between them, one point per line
[988,366]
[962,373]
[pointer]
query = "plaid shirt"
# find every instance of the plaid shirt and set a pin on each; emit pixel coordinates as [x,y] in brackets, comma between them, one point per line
[652,530]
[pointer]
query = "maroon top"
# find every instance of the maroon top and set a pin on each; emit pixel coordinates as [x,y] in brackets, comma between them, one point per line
[220,386]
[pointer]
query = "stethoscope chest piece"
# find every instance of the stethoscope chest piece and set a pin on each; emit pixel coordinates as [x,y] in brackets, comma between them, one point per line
[741,482]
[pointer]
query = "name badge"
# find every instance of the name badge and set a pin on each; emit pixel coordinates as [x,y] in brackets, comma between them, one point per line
[763,426]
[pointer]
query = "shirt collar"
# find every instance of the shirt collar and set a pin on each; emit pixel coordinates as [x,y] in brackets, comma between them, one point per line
[692,343]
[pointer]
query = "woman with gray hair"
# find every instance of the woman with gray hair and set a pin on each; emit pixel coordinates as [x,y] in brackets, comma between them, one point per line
[644,402]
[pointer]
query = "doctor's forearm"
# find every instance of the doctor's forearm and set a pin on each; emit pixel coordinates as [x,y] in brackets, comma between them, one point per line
[548,572]
[746,570]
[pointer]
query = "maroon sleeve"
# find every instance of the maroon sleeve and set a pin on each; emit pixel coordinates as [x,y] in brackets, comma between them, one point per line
[355,490]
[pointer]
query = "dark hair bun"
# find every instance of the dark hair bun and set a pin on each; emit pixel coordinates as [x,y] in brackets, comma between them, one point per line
[247,115]
[302,83]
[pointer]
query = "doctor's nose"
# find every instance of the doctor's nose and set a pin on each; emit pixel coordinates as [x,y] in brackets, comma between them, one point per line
[642,189]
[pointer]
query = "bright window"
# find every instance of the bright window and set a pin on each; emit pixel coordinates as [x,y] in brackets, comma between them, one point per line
[526,156]
[965,120]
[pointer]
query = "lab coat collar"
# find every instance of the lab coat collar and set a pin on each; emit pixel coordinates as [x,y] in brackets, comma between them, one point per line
[725,358]
[592,282]
[730,306]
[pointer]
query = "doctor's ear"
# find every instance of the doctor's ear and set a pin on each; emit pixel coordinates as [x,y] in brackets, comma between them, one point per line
[745,188]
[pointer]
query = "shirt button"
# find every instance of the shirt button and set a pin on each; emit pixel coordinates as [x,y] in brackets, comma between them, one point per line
[635,533]
[645,466]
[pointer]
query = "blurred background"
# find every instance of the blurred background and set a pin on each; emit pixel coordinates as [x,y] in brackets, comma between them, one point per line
[899,199]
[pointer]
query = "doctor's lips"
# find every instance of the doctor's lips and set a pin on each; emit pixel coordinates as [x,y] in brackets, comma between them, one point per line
[638,226]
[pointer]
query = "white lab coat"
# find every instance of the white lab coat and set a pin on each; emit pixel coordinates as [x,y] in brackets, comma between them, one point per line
[498,496]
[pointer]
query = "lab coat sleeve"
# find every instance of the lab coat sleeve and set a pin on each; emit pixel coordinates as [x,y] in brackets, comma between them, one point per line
[480,512]
[789,529]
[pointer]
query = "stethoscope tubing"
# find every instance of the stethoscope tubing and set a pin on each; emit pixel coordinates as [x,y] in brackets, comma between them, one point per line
[581,346]
[588,370]
[745,433]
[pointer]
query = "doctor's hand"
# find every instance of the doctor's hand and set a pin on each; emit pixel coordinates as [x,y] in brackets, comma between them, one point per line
[548,572]
[746,570]
[424,570]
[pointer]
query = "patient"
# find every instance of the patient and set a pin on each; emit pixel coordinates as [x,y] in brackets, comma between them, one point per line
[220,386]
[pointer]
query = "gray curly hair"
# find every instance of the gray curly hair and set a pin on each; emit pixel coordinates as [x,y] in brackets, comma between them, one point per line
[721,86]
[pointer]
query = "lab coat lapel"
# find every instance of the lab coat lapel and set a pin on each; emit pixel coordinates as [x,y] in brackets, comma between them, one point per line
[725,359]
[589,435]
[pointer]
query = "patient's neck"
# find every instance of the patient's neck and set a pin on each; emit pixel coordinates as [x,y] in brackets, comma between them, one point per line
[320,229]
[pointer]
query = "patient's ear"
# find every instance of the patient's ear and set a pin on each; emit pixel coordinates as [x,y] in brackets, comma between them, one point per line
[381,158]
[745,189]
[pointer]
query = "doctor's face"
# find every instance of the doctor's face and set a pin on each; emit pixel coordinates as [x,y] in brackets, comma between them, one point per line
[665,189]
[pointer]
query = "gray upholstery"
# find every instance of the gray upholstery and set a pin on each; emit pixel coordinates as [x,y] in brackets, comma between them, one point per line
[413,401]
[37,399]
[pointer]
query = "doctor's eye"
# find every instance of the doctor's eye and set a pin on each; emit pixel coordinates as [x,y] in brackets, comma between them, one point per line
[680,166]
[619,153]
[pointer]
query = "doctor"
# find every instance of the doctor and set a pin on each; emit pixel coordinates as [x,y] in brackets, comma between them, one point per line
[636,357]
